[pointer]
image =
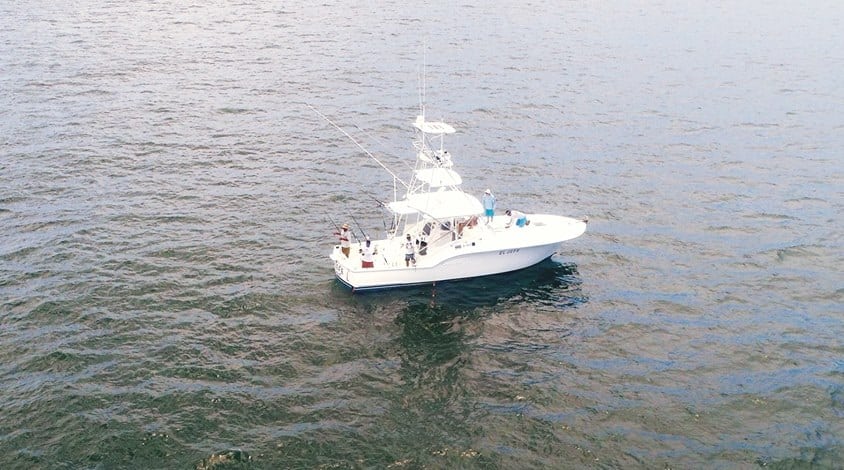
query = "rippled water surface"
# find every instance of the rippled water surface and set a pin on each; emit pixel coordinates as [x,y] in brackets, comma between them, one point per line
[166,300]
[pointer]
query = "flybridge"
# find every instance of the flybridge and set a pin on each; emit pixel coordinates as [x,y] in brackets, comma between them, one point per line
[439,177]
[432,127]
[438,205]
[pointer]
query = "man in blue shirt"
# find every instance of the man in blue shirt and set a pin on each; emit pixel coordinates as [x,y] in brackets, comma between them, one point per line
[489,205]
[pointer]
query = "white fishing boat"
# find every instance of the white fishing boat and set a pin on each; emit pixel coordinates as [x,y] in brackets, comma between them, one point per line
[449,234]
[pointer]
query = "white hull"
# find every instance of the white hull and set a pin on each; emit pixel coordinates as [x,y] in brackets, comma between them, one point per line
[480,251]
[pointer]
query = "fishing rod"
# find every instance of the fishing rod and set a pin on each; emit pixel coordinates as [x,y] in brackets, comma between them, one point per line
[383,206]
[334,224]
[359,145]
[384,223]
[359,227]
[380,203]
[340,231]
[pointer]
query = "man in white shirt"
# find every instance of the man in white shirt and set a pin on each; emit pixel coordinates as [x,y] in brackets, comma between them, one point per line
[345,243]
[409,252]
[367,255]
[518,217]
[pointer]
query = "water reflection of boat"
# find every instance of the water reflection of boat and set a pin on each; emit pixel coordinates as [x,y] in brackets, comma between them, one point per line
[444,226]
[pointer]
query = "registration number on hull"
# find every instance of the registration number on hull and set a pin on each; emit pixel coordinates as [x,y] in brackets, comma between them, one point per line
[509,252]
[338,268]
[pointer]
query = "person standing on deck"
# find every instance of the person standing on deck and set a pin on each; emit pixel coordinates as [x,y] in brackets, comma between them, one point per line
[489,205]
[367,255]
[409,252]
[345,243]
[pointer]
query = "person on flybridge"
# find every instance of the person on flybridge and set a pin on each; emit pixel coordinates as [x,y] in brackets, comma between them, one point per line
[443,158]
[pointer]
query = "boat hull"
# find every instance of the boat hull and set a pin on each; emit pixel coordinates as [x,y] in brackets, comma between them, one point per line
[459,267]
[497,250]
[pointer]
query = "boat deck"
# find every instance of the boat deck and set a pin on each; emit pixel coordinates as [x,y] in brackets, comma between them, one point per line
[443,244]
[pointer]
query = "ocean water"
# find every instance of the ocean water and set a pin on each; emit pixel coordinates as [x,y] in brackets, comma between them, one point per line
[166,300]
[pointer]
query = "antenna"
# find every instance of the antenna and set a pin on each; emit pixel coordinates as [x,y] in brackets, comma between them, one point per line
[419,75]
[424,76]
